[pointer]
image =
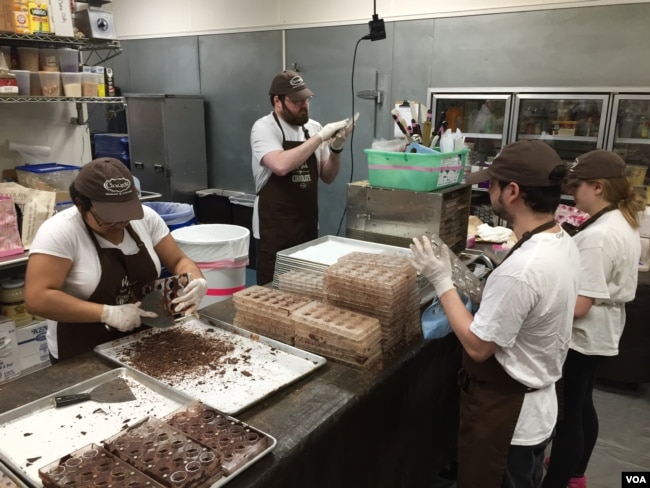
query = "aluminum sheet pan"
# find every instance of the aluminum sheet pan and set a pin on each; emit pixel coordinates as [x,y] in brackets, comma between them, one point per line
[7,478]
[260,366]
[37,434]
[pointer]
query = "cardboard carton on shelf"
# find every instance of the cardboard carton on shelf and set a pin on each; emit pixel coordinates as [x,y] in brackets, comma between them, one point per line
[32,346]
[9,361]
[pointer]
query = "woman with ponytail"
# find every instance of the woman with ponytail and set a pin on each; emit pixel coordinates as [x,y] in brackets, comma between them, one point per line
[610,249]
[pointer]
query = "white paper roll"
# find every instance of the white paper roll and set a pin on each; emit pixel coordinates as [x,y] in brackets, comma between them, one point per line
[30,153]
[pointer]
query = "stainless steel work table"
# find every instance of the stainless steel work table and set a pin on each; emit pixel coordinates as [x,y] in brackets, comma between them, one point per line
[335,428]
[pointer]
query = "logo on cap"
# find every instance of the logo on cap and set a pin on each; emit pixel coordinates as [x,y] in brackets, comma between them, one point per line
[296,82]
[118,186]
[572,168]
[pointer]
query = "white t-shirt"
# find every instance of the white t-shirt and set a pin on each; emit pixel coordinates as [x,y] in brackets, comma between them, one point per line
[527,309]
[266,137]
[609,256]
[64,235]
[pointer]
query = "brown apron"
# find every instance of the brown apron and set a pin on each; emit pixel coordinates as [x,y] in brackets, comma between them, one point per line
[119,274]
[288,210]
[490,403]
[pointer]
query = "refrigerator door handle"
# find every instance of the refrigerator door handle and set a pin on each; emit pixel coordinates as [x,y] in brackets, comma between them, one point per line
[159,168]
[139,164]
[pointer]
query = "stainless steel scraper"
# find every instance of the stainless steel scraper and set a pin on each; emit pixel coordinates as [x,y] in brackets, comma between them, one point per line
[113,391]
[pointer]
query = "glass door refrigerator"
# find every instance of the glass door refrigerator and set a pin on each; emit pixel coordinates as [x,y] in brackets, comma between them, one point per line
[483,118]
[572,123]
[629,134]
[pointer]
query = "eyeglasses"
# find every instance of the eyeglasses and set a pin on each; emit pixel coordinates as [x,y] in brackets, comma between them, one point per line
[101,223]
[299,103]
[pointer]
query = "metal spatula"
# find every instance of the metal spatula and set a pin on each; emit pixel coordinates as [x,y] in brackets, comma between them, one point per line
[114,391]
[155,301]
[157,298]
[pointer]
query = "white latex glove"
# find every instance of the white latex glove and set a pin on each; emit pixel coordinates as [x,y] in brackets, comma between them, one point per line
[190,296]
[327,132]
[340,137]
[437,271]
[125,317]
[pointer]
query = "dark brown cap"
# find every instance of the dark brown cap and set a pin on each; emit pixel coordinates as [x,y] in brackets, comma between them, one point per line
[596,165]
[525,162]
[109,185]
[291,84]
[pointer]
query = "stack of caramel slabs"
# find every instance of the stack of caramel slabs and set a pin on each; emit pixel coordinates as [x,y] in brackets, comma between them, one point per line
[383,286]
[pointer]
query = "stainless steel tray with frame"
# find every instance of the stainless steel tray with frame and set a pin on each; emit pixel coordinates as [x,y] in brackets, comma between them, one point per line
[7,478]
[36,434]
[255,368]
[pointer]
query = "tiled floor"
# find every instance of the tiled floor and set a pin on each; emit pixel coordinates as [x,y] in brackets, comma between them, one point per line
[624,440]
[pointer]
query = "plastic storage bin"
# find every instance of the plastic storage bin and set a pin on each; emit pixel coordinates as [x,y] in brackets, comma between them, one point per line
[48,176]
[415,171]
[175,215]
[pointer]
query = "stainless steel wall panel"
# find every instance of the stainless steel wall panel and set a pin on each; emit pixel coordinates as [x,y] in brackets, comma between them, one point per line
[236,72]
[168,65]
[167,144]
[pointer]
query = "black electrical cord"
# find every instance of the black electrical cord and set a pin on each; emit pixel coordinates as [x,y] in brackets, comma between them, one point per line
[354,61]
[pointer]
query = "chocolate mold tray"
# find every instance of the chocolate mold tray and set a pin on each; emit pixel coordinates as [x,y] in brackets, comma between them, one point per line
[93,465]
[166,454]
[237,442]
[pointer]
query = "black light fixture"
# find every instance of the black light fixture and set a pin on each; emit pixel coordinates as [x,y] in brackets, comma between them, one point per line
[376,26]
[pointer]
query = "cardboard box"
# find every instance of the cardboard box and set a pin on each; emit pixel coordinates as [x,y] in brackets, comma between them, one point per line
[39,17]
[61,15]
[14,16]
[9,361]
[32,345]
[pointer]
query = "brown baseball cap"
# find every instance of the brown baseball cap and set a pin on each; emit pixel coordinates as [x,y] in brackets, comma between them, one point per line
[596,165]
[525,162]
[109,185]
[291,84]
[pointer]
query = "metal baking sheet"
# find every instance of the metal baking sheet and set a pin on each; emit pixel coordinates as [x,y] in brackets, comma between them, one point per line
[258,367]
[37,434]
[8,479]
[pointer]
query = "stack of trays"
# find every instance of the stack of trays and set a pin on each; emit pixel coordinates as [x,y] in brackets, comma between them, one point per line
[166,454]
[317,255]
[237,442]
[267,312]
[302,282]
[412,326]
[340,334]
[381,289]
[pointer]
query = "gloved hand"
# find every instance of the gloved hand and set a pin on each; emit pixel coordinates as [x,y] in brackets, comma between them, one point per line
[330,129]
[125,317]
[190,296]
[437,271]
[340,137]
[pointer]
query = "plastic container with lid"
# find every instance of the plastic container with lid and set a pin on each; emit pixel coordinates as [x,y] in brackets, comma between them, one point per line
[12,301]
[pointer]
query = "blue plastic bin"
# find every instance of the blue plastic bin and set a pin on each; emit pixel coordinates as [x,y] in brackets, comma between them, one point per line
[174,214]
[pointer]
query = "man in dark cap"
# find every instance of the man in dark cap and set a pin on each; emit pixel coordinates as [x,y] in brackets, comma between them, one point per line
[290,152]
[87,262]
[515,344]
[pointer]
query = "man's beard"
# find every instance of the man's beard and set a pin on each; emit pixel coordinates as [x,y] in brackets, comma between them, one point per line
[301,118]
[500,211]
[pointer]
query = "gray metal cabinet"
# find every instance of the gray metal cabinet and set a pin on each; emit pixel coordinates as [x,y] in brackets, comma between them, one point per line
[167,144]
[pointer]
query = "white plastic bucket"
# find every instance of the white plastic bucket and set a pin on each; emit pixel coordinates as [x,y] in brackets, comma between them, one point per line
[221,252]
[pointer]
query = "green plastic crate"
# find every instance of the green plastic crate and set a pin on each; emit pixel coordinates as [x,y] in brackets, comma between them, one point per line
[415,171]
